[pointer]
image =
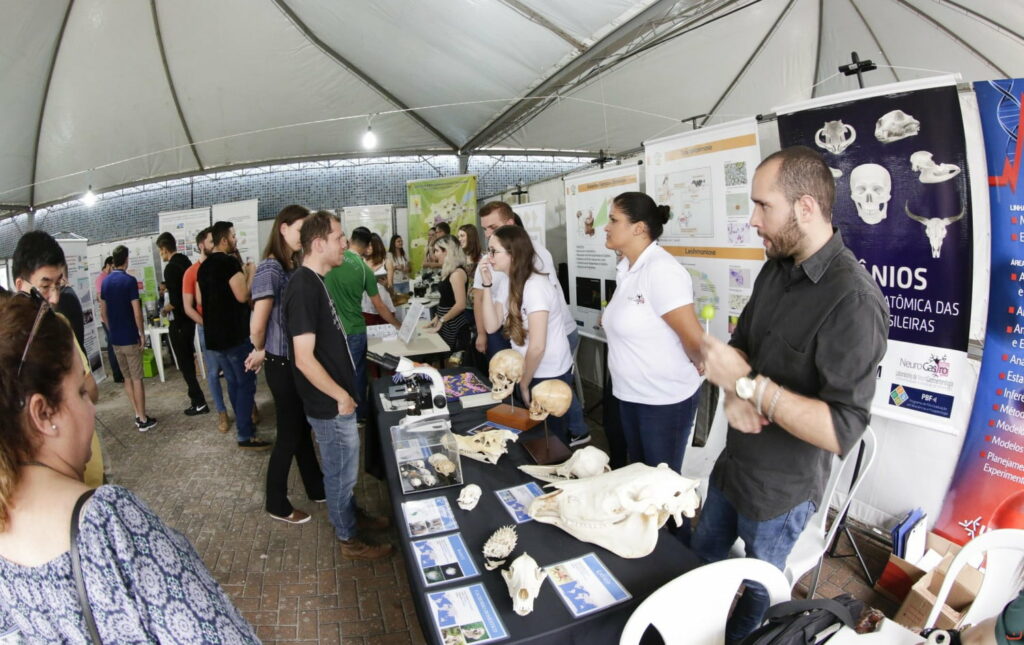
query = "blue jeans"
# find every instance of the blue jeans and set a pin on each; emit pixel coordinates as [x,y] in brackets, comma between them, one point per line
[213,367]
[770,540]
[241,386]
[338,439]
[577,424]
[357,346]
[658,433]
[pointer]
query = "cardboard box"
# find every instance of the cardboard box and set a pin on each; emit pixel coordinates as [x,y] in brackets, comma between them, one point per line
[899,576]
[919,602]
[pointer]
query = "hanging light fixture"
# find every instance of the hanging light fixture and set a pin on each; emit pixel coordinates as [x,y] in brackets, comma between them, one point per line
[369,139]
[89,198]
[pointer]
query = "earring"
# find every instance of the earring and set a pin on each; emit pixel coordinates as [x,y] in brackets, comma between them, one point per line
[53,426]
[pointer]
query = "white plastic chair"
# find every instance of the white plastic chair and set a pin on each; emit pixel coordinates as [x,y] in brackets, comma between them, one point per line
[1004,565]
[693,608]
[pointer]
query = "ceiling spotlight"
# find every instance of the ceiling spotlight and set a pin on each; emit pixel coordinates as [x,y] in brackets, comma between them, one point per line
[89,198]
[369,139]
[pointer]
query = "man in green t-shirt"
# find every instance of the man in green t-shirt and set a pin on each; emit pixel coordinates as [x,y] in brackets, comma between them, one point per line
[346,283]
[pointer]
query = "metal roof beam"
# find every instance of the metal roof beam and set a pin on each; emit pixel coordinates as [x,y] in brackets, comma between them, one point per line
[533,16]
[170,84]
[952,34]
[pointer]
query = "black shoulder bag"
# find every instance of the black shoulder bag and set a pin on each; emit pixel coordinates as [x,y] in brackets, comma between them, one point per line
[76,568]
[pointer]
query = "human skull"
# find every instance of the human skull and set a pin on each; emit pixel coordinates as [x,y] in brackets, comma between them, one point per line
[835,136]
[549,397]
[505,370]
[871,190]
[469,497]
[524,579]
[896,125]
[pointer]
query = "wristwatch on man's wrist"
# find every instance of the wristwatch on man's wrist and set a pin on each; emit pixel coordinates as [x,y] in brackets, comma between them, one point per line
[746,386]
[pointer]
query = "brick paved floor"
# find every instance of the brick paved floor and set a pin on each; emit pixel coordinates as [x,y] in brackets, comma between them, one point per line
[291,582]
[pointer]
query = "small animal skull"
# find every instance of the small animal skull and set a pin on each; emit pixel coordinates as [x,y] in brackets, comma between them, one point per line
[931,172]
[505,370]
[549,397]
[896,125]
[524,579]
[469,497]
[442,464]
[499,546]
[871,190]
[835,136]
[586,462]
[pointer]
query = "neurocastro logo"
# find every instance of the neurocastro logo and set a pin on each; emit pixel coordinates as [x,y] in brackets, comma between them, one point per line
[936,365]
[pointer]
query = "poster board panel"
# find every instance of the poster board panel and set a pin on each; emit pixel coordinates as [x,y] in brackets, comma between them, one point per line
[184,226]
[245,216]
[445,199]
[379,219]
[534,217]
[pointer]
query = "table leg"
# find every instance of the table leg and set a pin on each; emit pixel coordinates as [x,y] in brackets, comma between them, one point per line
[158,352]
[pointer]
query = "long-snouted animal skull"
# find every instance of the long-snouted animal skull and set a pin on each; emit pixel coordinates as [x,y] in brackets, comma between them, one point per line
[934,227]
[499,546]
[621,510]
[549,397]
[871,190]
[469,496]
[835,136]
[586,462]
[524,579]
[931,172]
[505,370]
[896,125]
[487,446]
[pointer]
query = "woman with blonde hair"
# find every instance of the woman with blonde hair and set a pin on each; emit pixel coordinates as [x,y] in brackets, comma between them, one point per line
[449,320]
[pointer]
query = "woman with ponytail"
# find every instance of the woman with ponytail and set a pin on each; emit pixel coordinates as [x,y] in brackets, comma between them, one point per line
[653,335]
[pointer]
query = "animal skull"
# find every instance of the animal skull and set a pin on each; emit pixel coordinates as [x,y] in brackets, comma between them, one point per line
[621,510]
[524,579]
[549,397]
[469,497]
[835,136]
[487,446]
[499,546]
[505,370]
[934,227]
[871,190]
[896,125]
[586,462]
[931,172]
[442,464]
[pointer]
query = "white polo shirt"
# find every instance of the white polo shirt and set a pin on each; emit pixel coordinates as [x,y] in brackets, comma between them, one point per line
[540,295]
[645,356]
[545,264]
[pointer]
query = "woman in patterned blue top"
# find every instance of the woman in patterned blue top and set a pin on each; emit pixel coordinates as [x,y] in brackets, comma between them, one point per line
[145,582]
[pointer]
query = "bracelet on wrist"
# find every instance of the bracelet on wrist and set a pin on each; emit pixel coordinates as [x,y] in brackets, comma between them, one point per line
[775,401]
[486,286]
[762,387]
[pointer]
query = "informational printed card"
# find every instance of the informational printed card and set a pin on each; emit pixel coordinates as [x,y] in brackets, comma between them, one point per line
[586,585]
[517,499]
[428,516]
[465,615]
[487,425]
[444,559]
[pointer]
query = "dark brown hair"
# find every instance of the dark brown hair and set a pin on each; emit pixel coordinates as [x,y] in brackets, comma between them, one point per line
[802,171]
[375,250]
[48,362]
[503,209]
[393,250]
[167,242]
[276,247]
[516,242]
[316,227]
[472,249]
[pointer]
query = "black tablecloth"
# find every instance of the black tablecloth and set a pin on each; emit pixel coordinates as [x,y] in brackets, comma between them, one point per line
[550,621]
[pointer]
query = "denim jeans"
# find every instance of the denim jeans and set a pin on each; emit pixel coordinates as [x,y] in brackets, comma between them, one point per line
[212,368]
[770,540]
[357,346]
[577,424]
[658,433]
[496,342]
[338,439]
[241,386]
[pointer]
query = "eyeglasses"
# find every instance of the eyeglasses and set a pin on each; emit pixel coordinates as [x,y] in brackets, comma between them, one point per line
[493,252]
[44,306]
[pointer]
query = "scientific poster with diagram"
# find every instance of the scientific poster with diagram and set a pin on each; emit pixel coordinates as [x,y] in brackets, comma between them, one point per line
[76,254]
[903,206]
[431,201]
[245,216]
[534,217]
[379,219]
[184,226]
[704,176]
[142,259]
[466,615]
[588,201]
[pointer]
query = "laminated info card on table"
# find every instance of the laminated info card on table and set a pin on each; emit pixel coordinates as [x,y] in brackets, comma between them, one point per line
[517,499]
[428,516]
[465,615]
[585,585]
[444,559]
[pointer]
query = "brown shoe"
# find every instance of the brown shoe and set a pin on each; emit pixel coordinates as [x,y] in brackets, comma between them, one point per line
[297,517]
[255,416]
[367,522]
[356,549]
[222,422]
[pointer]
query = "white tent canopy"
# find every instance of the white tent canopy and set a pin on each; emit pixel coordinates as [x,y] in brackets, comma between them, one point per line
[111,93]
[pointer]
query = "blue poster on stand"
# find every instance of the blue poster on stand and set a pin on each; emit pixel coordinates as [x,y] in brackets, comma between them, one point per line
[903,206]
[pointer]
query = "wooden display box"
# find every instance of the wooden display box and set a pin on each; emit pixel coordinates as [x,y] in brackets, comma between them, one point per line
[513,417]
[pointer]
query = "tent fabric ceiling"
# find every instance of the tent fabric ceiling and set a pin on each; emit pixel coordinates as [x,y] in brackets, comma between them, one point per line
[111,93]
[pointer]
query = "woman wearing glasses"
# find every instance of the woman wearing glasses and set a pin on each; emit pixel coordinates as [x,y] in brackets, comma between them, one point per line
[143,581]
[530,312]
[449,320]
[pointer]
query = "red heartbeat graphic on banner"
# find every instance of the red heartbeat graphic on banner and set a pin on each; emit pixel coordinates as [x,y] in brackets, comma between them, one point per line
[1011,171]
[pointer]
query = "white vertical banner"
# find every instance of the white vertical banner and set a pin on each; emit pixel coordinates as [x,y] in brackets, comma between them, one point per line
[401,224]
[76,254]
[534,217]
[704,176]
[184,226]
[142,261]
[245,216]
[379,219]
[588,201]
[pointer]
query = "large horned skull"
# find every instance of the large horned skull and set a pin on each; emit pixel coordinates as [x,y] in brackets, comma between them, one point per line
[505,370]
[871,190]
[934,227]
[835,136]
[896,125]
[549,397]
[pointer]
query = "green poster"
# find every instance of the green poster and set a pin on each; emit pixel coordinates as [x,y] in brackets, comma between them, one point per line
[446,199]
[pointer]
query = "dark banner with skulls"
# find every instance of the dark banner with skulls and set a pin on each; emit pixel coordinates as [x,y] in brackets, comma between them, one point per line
[904,208]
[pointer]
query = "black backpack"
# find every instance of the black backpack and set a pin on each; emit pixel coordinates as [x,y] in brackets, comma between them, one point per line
[799,622]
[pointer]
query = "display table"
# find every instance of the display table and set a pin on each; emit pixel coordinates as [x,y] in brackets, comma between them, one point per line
[547,544]
[422,344]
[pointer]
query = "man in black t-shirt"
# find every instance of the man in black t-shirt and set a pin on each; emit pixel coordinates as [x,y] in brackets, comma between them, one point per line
[182,330]
[326,381]
[223,288]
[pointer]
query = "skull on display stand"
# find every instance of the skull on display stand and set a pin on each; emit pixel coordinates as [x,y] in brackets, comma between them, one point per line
[549,397]
[871,190]
[469,496]
[896,125]
[505,370]
[835,136]
[524,579]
